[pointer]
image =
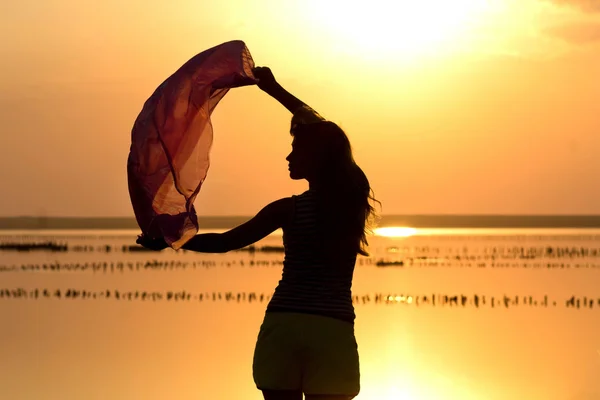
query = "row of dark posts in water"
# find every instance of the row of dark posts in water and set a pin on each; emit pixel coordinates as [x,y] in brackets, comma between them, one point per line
[435,300]
[65,247]
[130,266]
[489,253]
[156,265]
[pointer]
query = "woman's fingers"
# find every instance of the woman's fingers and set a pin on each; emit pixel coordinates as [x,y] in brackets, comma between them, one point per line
[152,244]
[263,73]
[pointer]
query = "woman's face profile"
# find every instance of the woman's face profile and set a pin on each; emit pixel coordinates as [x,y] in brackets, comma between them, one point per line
[302,162]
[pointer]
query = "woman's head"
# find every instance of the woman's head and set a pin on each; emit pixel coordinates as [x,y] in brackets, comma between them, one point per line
[322,154]
[318,150]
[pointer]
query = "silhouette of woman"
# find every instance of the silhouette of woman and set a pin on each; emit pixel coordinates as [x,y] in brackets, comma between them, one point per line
[306,344]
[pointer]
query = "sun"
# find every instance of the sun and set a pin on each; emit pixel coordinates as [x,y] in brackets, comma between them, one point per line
[395,231]
[399,28]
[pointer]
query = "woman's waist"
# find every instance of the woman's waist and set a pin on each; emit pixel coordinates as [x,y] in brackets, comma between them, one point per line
[336,304]
[340,315]
[314,289]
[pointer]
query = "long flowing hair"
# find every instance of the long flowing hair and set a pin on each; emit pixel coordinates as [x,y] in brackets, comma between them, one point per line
[346,197]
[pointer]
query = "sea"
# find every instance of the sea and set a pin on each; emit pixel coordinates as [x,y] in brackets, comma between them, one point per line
[442,314]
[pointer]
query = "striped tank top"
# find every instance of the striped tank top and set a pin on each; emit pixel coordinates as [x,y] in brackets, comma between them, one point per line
[308,283]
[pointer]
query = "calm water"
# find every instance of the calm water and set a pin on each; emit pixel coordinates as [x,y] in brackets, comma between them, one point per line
[441,314]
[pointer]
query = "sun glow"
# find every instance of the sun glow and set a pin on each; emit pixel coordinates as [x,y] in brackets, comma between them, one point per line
[400,28]
[395,231]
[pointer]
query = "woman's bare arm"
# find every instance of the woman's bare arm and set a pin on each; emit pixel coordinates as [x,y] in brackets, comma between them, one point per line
[268,84]
[268,220]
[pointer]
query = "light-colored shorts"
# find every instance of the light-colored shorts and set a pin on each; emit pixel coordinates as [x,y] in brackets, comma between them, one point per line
[311,353]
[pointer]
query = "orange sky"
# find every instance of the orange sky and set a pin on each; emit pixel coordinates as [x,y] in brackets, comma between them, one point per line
[486,107]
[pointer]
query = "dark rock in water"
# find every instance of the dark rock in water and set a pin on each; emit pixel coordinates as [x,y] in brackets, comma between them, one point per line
[264,249]
[272,249]
[135,248]
[382,263]
[45,246]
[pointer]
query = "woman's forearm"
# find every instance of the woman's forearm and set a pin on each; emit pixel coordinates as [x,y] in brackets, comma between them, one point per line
[288,100]
[207,243]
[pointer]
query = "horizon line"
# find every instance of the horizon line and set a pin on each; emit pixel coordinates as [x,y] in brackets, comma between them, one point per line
[384,215]
[389,220]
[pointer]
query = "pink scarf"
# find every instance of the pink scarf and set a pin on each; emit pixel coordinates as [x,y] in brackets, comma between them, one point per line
[171,139]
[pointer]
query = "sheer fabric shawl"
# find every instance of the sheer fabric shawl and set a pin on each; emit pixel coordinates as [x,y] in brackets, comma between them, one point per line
[171,140]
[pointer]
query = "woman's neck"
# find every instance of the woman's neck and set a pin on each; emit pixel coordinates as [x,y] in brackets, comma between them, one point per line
[314,184]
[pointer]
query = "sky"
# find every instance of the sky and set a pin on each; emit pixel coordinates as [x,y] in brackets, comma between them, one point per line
[463,107]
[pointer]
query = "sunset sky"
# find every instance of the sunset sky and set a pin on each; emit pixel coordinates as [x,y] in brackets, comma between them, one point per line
[463,106]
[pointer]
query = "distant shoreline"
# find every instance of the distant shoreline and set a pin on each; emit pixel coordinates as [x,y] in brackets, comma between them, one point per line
[413,221]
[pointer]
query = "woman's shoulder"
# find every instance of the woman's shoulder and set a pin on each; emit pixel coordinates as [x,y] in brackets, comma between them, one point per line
[282,205]
[286,207]
[310,193]
[283,210]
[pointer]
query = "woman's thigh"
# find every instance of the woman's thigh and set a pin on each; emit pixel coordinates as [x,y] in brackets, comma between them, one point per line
[282,394]
[301,352]
[297,395]
[331,362]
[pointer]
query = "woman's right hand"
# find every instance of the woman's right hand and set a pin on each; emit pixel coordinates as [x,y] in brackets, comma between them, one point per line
[266,79]
[151,243]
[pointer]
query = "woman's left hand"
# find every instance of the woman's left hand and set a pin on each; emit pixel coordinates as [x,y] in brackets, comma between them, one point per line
[266,79]
[152,244]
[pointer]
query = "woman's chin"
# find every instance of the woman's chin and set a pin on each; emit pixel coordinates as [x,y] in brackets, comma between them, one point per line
[294,176]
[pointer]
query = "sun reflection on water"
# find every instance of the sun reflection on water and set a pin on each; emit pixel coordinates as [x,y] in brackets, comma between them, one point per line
[401,299]
[395,231]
